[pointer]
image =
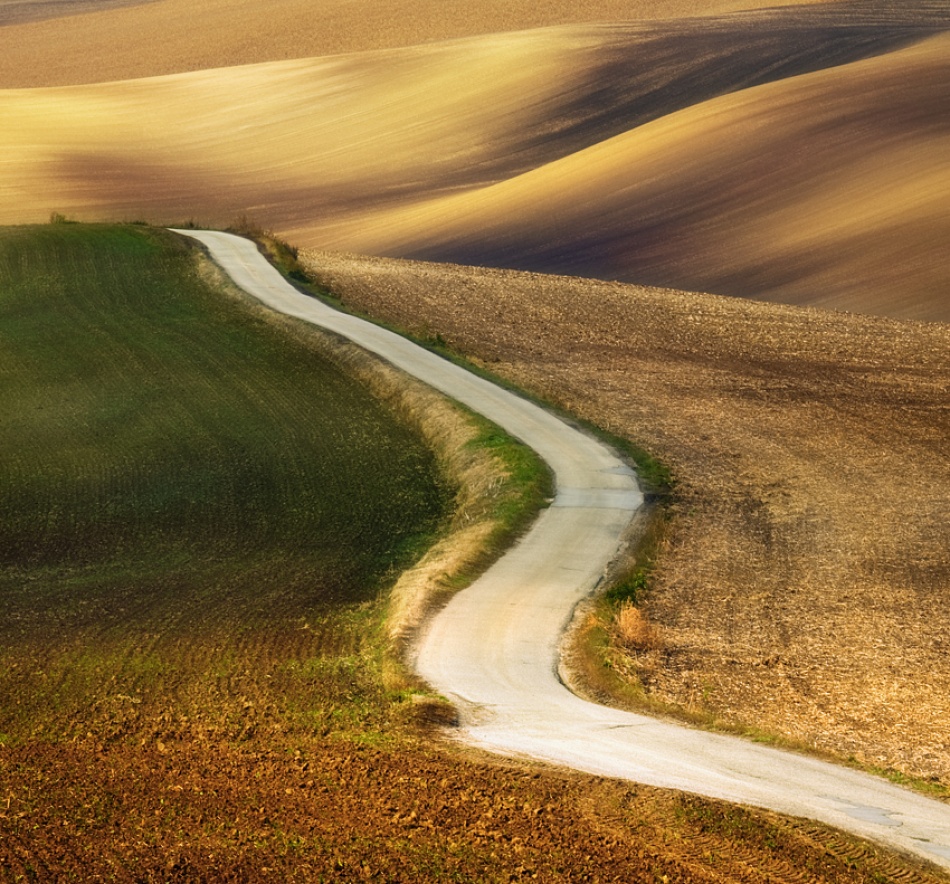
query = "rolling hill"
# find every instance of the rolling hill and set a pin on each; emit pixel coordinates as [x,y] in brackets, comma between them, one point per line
[762,154]
[795,153]
[62,42]
[829,189]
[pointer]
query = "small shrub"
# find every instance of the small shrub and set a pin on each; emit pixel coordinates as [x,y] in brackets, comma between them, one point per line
[630,589]
[634,630]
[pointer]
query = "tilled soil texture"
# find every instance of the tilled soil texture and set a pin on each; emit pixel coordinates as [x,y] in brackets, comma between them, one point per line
[184,810]
[791,155]
[45,43]
[803,587]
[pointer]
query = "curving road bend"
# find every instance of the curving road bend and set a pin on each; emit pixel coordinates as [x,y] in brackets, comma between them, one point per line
[493,650]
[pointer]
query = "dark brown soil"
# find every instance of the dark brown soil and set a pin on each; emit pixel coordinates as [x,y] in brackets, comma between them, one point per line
[186,811]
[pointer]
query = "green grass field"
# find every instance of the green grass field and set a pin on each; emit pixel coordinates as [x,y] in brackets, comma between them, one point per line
[197,510]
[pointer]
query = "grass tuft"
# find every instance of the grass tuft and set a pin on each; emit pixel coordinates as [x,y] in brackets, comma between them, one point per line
[634,630]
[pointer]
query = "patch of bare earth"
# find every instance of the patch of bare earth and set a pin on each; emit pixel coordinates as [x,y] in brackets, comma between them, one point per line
[180,809]
[803,588]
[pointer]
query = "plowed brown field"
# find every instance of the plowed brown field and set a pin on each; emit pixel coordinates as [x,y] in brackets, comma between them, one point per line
[186,812]
[804,586]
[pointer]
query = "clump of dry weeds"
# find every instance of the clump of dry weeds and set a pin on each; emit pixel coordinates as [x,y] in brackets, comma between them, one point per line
[634,631]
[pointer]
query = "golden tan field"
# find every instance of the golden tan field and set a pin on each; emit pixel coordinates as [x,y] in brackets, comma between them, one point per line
[830,189]
[170,36]
[795,155]
[804,587]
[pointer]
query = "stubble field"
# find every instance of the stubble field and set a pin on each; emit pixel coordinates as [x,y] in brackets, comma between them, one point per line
[801,589]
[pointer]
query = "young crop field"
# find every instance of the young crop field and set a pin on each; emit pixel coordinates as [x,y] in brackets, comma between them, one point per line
[197,512]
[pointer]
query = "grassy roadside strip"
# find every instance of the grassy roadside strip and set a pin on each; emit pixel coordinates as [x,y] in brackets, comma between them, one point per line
[590,648]
[502,484]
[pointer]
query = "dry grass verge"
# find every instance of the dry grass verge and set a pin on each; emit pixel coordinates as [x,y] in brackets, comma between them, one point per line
[500,483]
[634,631]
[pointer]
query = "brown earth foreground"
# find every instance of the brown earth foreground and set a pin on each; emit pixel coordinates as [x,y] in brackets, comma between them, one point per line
[803,587]
[187,811]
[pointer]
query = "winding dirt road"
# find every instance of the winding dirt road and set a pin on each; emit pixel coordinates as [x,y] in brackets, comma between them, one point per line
[493,650]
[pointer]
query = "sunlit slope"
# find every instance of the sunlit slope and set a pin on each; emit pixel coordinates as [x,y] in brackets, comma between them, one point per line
[761,155]
[171,36]
[304,144]
[294,144]
[830,189]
